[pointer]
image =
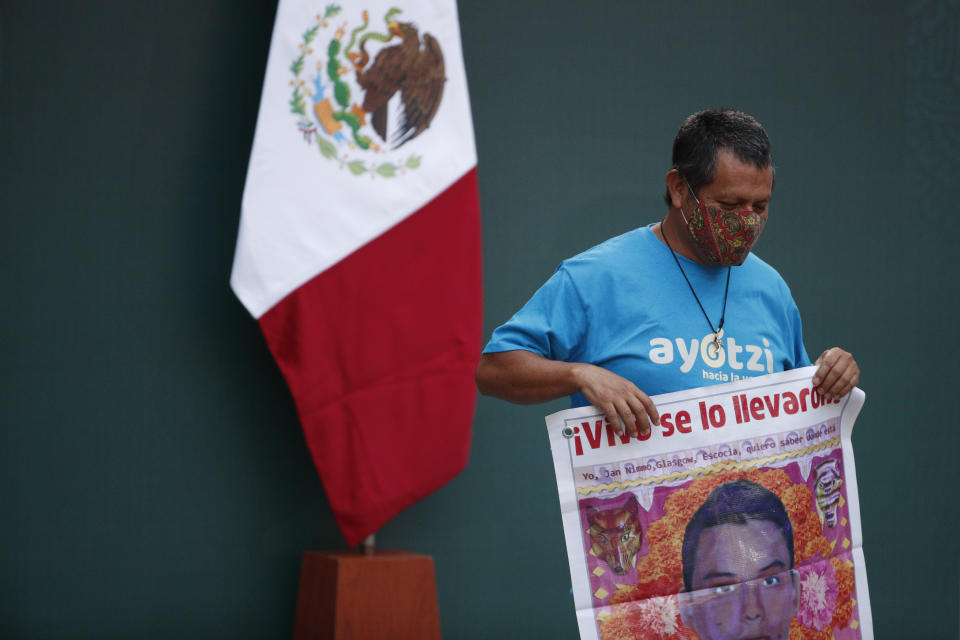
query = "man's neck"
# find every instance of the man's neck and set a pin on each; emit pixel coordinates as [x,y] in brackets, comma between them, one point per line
[678,237]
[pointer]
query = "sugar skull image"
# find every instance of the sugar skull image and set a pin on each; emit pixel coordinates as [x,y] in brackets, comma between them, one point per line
[828,491]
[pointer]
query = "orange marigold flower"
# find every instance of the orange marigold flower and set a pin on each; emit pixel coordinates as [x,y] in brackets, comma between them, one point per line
[623,595]
[614,627]
[654,574]
[737,474]
[845,588]
[842,614]
[657,618]
[694,498]
[645,566]
[658,532]
[845,577]
[810,528]
[800,632]
[675,542]
[776,480]
[678,522]
[796,629]
[665,559]
[799,497]
[798,518]
[818,545]
[682,503]
[704,484]
[662,586]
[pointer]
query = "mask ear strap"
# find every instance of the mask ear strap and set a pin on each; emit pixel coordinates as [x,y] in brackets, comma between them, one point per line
[693,193]
[703,207]
[706,218]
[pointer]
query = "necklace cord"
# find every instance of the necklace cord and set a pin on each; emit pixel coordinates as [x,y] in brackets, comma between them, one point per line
[726,291]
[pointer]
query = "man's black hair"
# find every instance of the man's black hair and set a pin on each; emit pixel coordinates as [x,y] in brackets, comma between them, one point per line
[736,502]
[706,133]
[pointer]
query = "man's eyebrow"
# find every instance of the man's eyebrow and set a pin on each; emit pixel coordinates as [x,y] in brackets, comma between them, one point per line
[776,563]
[720,574]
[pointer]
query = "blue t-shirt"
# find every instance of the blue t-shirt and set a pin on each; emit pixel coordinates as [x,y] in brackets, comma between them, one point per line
[624,305]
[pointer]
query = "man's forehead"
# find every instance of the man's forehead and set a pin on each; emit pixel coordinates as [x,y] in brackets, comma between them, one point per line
[744,551]
[734,177]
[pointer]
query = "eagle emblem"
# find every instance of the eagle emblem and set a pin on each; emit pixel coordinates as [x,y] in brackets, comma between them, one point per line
[368,92]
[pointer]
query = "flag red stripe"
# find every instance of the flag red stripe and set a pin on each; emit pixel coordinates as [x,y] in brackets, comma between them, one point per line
[379,352]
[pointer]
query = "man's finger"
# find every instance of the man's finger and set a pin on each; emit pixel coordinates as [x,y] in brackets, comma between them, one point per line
[651,409]
[641,421]
[846,380]
[828,379]
[626,414]
[825,362]
[612,418]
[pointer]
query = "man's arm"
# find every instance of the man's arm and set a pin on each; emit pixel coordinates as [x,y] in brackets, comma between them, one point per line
[525,377]
[838,373]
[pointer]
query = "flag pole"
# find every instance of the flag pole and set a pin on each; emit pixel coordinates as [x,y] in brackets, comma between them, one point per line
[368,546]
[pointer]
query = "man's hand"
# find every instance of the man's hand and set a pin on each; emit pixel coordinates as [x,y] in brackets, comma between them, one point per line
[838,373]
[617,397]
[526,378]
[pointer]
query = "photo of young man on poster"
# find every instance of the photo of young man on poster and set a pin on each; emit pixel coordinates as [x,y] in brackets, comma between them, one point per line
[738,572]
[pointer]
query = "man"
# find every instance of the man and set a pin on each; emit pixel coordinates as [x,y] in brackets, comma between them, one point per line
[671,306]
[738,576]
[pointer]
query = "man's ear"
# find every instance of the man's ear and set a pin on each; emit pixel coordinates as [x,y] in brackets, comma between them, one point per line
[676,186]
[685,600]
[796,592]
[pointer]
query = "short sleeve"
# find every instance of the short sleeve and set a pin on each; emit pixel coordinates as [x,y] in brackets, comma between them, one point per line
[800,357]
[551,324]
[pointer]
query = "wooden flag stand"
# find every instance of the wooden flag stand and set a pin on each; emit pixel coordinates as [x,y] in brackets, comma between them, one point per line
[361,595]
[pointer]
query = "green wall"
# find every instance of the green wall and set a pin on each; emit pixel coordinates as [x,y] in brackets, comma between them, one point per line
[153,479]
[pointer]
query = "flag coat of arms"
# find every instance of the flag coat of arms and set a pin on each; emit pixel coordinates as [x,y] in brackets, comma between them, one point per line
[359,246]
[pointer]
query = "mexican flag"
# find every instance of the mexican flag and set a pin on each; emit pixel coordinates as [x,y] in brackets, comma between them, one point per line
[359,246]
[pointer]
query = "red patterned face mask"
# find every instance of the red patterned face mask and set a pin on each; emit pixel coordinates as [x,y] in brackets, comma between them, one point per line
[724,237]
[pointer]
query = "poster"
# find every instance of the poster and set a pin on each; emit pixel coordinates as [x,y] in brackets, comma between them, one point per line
[736,517]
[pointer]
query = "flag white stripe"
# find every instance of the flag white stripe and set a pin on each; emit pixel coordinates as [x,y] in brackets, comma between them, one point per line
[301,212]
